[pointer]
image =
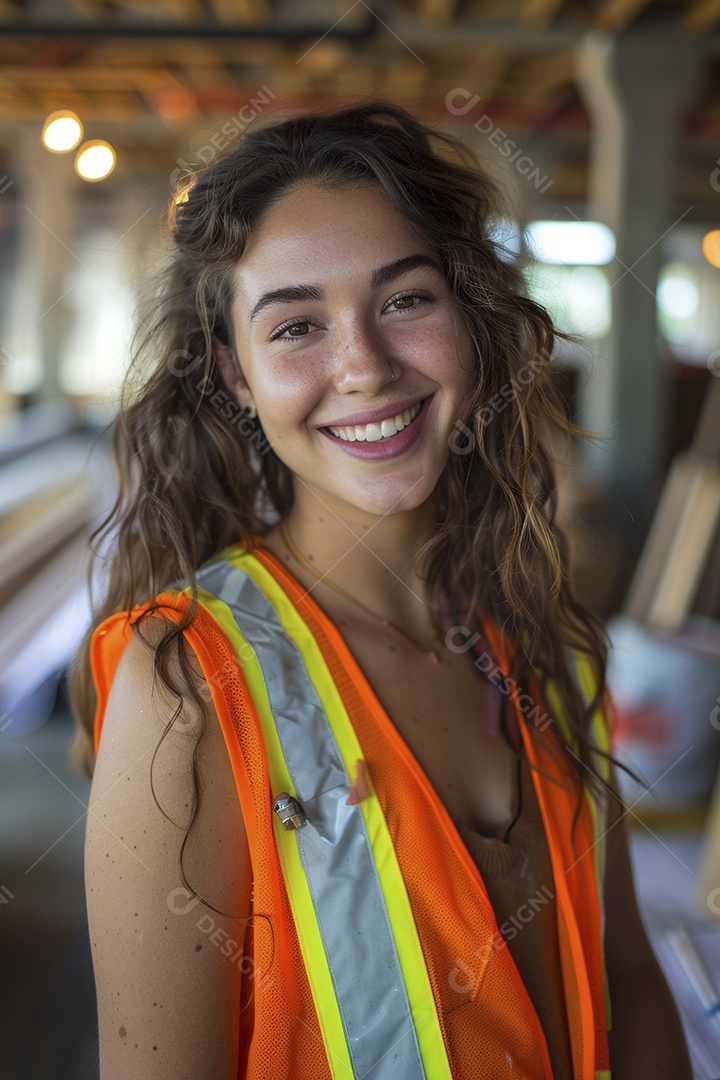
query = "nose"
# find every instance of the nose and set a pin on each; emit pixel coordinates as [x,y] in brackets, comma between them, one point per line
[363,361]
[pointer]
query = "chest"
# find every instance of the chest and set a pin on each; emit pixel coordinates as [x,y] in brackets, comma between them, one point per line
[441,712]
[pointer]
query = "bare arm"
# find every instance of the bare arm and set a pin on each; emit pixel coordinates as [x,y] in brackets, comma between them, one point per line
[166,967]
[646,1040]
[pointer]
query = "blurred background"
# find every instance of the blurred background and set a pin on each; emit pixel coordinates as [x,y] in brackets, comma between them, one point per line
[601,118]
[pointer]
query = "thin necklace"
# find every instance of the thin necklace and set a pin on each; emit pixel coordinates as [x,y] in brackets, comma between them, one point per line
[431,647]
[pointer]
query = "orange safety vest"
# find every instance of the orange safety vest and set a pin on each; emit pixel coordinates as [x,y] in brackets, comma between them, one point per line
[375,951]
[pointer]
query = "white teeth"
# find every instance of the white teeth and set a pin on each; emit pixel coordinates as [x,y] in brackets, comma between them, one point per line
[374,432]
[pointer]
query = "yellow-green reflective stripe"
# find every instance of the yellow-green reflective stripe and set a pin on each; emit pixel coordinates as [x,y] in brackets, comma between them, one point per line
[599,822]
[412,963]
[599,727]
[334,849]
[602,739]
[295,880]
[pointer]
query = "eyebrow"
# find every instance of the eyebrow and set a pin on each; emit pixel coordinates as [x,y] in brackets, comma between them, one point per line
[382,276]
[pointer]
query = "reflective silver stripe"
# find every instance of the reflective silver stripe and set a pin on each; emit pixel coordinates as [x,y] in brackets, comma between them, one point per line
[334,847]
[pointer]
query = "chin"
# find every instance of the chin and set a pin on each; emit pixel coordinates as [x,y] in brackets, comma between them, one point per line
[392,497]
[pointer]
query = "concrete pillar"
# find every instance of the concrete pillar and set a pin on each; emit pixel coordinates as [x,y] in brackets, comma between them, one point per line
[40,312]
[635,86]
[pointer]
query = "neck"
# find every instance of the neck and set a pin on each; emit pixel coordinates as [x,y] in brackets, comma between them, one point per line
[372,558]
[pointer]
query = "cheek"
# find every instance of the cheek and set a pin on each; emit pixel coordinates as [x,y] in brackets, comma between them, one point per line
[452,367]
[439,344]
[287,393]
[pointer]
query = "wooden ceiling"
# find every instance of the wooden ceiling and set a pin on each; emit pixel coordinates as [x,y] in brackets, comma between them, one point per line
[155,78]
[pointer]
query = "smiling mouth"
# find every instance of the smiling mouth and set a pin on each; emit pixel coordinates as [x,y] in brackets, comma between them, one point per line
[385,429]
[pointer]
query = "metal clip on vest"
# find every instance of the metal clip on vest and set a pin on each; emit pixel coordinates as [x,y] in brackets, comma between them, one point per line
[289,811]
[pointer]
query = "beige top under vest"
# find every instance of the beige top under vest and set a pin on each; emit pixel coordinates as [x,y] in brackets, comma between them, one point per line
[515,866]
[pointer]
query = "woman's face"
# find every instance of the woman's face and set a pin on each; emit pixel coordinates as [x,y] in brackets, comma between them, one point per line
[350,346]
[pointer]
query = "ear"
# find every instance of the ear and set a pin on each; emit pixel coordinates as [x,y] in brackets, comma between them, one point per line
[230,374]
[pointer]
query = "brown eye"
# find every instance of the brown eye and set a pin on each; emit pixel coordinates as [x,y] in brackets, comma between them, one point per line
[409,301]
[282,331]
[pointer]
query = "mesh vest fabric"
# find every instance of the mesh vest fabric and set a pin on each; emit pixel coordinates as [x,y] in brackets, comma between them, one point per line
[489,1025]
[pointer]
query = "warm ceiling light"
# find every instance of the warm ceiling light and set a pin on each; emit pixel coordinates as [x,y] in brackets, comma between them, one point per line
[711,247]
[62,131]
[95,160]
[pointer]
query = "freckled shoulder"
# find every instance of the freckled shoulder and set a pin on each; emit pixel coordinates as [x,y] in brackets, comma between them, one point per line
[168,993]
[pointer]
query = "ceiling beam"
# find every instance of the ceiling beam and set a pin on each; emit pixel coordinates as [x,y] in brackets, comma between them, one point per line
[113,30]
[518,38]
[508,34]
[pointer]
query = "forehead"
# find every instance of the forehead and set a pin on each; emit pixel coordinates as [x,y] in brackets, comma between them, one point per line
[313,233]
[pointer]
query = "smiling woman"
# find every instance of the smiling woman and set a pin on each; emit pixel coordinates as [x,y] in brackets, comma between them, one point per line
[347,721]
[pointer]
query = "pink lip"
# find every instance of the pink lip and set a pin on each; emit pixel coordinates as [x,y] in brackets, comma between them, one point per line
[384,412]
[384,448]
